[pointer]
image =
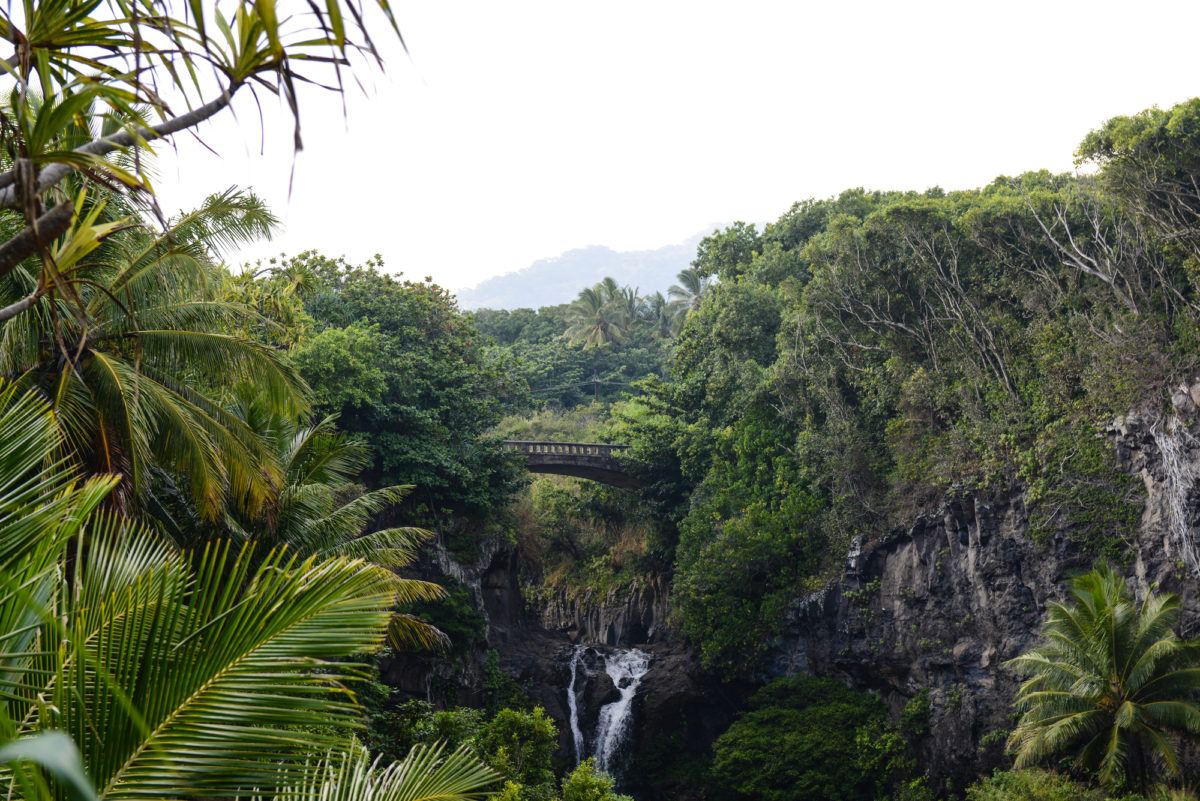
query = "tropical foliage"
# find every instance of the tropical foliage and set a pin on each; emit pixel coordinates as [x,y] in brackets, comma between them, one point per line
[318,509]
[608,313]
[1032,785]
[137,364]
[132,666]
[204,473]
[810,738]
[72,113]
[519,744]
[398,364]
[1111,684]
[866,354]
[168,669]
[426,773]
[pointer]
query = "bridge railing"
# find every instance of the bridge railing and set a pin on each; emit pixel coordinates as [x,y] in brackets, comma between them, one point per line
[533,448]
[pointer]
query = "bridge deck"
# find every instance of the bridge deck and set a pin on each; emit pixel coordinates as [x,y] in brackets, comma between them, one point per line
[591,460]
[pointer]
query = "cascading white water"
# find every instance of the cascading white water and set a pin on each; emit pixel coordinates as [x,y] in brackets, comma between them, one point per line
[626,669]
[573,703]
[1175,444]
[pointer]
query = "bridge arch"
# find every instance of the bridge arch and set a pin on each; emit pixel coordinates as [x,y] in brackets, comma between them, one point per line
[593,461]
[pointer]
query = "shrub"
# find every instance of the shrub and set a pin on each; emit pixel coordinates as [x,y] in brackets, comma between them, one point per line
[1031,785]
[520,745]
[586,783]
[813,739]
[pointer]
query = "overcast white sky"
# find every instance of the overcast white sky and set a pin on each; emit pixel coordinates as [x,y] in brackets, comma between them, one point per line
[517,130]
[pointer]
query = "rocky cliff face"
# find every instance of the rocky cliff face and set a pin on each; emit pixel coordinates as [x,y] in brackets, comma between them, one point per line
[936,609]
[932,610]
[677,711]
[634,614]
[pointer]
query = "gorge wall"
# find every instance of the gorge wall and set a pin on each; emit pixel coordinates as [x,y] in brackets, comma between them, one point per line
[936,608]
[932,610]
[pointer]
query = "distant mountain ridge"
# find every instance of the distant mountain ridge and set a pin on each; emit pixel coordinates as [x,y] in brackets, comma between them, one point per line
[549,282]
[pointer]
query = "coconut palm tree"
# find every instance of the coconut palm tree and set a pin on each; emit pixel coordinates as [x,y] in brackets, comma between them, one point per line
[630,304]
[689,292]
[138,360]
[609,289]
[319,510]
[174,674]
[660,315]
[1111,683]
[593,320]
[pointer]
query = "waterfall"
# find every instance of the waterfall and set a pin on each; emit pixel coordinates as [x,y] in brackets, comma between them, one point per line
[626,669]
[1175,444]
[573,703]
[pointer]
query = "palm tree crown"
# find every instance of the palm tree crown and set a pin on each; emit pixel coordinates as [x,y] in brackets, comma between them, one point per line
[137,359]
[594,319]
[1110,683]
[689,292]
[318,509]
[177,674]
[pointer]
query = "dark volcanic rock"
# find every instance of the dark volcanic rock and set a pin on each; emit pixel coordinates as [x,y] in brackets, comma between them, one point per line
[939,607]
[932,609]
[634,614]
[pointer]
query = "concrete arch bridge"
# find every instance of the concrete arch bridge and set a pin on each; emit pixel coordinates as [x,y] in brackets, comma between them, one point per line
[593,461]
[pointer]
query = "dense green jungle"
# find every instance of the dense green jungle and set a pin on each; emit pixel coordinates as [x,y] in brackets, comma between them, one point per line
[916,477]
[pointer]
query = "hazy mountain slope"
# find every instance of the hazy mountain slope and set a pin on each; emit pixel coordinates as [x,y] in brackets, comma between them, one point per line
[548,282]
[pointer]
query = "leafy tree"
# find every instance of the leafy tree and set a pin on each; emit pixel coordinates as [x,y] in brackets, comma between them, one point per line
[800,739]
[398,363]
[1031,785]
[587,783]
[508,327]
[344,366]
[1111,684]
[1149,160]
[725,253]
[521,746]
[394,729]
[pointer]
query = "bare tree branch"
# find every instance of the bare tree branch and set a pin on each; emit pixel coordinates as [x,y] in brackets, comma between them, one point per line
[49,226]
[57,171]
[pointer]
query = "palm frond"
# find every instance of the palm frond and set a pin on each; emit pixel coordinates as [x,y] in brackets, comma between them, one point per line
[427,773]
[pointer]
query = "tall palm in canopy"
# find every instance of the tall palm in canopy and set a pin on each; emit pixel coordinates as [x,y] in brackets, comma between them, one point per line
[175,674]
[317,509]
[593,320]
[138,363]
[660,315]
[1110,684]
[689,292]
[609,289]
[630,304]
